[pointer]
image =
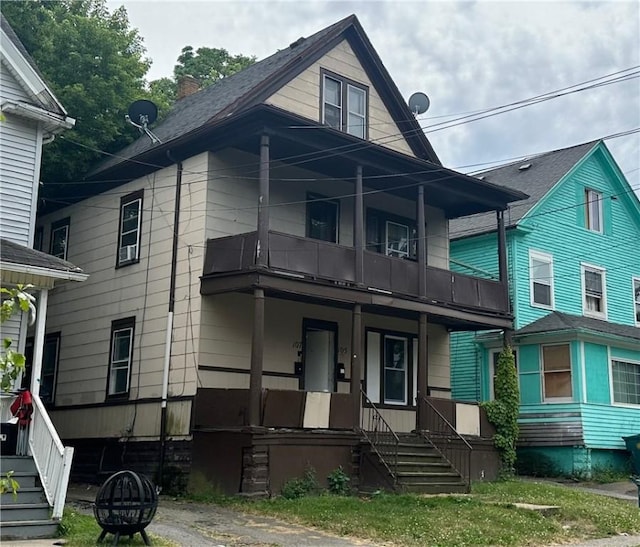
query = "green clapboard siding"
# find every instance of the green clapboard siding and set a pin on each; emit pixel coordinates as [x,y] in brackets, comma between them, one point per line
[596,365]
[556,226]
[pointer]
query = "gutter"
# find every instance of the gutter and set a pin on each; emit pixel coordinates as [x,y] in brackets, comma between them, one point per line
[68,275]
[54,123]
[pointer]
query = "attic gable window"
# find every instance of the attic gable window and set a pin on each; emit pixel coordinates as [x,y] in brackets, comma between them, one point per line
[129,229]
[636,299]
[593,201]
[344,105]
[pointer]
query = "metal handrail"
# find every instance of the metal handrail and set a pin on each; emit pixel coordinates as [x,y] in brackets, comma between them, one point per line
[52,458]
[379,434]
[443,433]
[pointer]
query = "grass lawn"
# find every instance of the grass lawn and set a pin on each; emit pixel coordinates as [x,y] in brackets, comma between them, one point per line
[487,517]
[82,530]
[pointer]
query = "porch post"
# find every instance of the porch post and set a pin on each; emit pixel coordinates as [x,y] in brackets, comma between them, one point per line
[262,246]
[356,362]
[38,342]
[358,231]
[423,372]
[502,269]
[422,244]
[257,356]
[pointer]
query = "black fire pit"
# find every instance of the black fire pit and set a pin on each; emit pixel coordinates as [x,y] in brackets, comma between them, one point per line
[125,505]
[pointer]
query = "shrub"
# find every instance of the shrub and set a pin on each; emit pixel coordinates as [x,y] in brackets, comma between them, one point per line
[298,488]
[338,482]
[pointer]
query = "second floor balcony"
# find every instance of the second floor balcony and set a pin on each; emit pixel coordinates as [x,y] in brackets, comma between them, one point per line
[327,270]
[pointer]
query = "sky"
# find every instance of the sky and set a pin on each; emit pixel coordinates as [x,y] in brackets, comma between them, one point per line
[466,56]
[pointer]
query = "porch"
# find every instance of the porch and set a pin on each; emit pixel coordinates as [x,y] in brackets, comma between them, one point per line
[299,430]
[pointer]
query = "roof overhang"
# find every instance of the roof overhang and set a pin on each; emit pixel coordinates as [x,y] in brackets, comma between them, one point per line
[53,123]
[300,141]
[42,278]
[27,76]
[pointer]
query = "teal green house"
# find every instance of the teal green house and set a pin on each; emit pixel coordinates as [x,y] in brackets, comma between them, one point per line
[574,274]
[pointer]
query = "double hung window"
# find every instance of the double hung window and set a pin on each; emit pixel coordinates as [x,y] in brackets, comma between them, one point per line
[594,291]
[129,229]
[593,203]
[541,279]
[344,105]
[636,299]
[556,369]
[121,356]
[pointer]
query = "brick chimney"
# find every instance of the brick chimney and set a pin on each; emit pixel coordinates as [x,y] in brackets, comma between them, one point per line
[187,85]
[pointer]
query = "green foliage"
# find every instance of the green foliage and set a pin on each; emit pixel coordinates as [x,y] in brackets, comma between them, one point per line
[503,411]
[207,65]
[12,363]
[9,484]
[94,63]
[338,482]
[298,488]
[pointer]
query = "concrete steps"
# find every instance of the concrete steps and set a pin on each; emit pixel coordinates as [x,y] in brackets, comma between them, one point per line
[27,514]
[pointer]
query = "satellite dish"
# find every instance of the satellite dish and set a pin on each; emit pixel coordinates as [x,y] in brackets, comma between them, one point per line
[419,103]
[141,114]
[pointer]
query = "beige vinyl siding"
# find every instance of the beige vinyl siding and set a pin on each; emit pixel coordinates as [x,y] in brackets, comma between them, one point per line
[401,421]
[141,420]
[233,196]
[302,96]
[84,312]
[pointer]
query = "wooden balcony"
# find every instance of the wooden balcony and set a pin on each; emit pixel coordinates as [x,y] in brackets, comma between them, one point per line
[326,263]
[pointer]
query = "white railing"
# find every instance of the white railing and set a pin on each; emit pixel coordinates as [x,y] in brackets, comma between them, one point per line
[52,459]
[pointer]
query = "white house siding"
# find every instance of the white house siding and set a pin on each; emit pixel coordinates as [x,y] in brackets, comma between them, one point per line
[302,96]
[233,196]
[20,142]
[83,313]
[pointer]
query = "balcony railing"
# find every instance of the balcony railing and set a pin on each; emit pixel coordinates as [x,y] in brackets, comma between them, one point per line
[329,262]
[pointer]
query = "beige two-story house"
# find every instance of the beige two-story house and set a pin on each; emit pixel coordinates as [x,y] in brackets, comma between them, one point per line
[269,284]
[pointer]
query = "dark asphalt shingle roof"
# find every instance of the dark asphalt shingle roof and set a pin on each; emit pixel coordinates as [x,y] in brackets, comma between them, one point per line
[198,109]
[13,253]
[558,321]
[52,103]
[545,171]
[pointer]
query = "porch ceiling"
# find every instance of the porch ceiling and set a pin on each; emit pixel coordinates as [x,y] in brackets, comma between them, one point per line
[285,287]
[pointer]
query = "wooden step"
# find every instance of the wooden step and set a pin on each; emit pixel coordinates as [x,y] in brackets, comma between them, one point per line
[17,463]
[36,529]
[423,478]
[26,494]
[25,479]
[435,488]
[25,511]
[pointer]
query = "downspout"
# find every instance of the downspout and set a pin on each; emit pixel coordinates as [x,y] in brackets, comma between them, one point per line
[169,332]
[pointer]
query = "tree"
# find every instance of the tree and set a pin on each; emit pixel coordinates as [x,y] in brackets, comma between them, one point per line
[207,65]
[94,63]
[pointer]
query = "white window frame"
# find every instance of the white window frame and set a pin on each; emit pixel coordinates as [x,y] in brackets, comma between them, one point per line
[546,399]
[362,116]
[391,251]
[593,199]
[116,365]
[123,259]
[584,267]
[548,259]
[346,85]
[64,226]
[492,372]
[627,362]
[635,292]
[384,363]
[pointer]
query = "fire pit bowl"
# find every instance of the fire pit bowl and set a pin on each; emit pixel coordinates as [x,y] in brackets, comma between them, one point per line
[125,505]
